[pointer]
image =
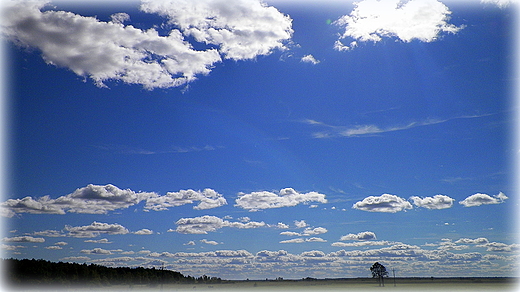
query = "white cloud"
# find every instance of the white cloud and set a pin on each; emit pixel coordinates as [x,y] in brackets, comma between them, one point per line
[92,199]
[287,197]
[500,3]
[294,240]
[366,235]
[371,20]
[500,247]
[53,247]
[371,130]
[479,199]
[480,240]
[314,231]
[98,199]
[360,243]
[96,250]
[144,232]
[106,50]
[307,232]
[207,223]
[242,29]
[75,259]
[191,242]
[62,243]
[95,229]
[385,203]
[103,240]
[309,59]
[119,17]
[280,225]
[300,224]
[210,242]
[315,239]
[24,239]
[199,225]
[435,202]
[208,199]
[290,233]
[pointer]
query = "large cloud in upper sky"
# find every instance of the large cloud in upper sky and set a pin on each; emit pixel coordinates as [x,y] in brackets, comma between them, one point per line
[112,51]
[385,203]
[287,197]
[243,29]
[371,20]
[483,199]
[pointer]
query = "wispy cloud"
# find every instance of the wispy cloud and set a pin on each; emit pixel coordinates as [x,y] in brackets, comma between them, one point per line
[124,149]
[371,129]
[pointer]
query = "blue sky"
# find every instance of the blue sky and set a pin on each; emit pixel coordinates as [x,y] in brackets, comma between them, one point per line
[242,139]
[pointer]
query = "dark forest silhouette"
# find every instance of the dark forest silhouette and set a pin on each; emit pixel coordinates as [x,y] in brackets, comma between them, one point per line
[42,272]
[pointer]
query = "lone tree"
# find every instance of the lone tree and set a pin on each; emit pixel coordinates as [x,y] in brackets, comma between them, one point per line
[379,272]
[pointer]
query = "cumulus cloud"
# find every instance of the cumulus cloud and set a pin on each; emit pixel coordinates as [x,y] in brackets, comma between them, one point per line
[366,235]
[480,240]
[241,29]
[302,240]
[307,232]
[24,239]
[280,225]
[294,240]
[371,20]
[435,202]
[53,247]
[500,3]
[207,223]
[500,247]
[207,199]
[95,229]
[314,231]
[92,199]
[98,199]
[361,243]
[119,17]
[479,199]
[210,242]
[96,250]
[309,59]
[300,224]
[103,240]
[144,232]
[385,203]
[106,50]
[287,197]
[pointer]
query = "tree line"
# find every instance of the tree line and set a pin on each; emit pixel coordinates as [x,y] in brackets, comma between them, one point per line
[42,272]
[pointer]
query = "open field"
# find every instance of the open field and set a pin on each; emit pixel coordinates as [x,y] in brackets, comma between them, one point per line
[359,284]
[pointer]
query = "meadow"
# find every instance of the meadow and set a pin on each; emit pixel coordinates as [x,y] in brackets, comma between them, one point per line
[358,284]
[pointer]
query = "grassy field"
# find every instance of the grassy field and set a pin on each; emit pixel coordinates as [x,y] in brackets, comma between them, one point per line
[361,284]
